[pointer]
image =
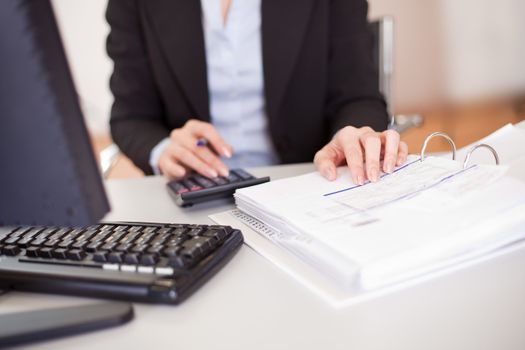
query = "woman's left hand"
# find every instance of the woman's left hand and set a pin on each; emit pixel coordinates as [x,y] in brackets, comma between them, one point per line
[362,149]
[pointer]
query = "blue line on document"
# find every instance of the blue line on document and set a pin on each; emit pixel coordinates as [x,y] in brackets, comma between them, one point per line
[355,186]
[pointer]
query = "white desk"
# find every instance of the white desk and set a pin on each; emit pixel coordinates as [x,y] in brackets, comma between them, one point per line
[250,304]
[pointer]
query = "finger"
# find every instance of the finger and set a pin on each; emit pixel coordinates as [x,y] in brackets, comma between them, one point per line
[372,145]
[354,158]
[325,162]
[403,153]
[189,159]
[210,158]
[209,132]
[171,169]
[391,141]
[189,142]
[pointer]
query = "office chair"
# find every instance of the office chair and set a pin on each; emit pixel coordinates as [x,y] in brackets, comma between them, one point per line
[383,39]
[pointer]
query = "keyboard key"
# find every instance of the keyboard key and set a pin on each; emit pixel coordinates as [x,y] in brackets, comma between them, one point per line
[66,244]
[131,259]
[178,261]
[218,234]
[196,231]
[109,246]
[11,250]
[59,234]
[156,249]
[115,257]
[38,242]
[59,253]
[12,240]
[32,252]
[175,241]
[168,271]
[145,269]
[128,268]
[51,243]
[86,235]
[173,251]
[111,267]
[79,245]
[76,254]
[139,248]
[24,242]
[115,237]
[92,247]
[148,259]
[45,252]
[100,257]
[123,247]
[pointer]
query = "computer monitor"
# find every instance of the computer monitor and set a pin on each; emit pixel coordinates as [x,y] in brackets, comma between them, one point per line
[48,173]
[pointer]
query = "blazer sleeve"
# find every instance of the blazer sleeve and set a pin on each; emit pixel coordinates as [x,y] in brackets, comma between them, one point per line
[353,89]
[136,115]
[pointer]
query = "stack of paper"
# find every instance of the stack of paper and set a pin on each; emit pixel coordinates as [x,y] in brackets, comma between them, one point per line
[424,216]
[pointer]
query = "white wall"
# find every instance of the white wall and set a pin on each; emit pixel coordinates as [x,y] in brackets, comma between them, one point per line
[485,46]
[453,50]
[84,30]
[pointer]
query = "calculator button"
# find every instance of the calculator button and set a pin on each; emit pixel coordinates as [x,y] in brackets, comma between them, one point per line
[203,181]
[232,177]
[192,185]
[220,181]
[178,187]
[242,174]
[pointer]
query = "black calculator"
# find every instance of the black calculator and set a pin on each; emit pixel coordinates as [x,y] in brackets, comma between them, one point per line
[196,188]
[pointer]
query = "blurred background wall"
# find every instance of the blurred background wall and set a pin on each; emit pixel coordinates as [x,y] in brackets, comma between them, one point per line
[460,63]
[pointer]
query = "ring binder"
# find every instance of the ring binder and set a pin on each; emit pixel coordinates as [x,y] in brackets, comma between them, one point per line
[454,150]
[481,145]
[441,134]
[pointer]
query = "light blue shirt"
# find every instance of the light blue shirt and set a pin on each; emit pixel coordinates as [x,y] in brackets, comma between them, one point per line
[235,83]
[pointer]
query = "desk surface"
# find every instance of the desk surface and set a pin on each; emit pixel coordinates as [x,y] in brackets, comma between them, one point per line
[250,304]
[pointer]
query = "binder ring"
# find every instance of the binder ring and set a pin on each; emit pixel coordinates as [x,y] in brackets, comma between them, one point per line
[481,145]
[445,136]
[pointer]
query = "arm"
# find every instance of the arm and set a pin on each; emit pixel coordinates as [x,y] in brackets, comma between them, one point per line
[136,114]
[353,89]
[355,107]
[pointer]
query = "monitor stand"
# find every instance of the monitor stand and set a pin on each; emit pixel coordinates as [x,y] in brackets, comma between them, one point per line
[31,326]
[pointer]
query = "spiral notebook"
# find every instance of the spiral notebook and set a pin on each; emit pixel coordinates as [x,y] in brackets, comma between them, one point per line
[348,243]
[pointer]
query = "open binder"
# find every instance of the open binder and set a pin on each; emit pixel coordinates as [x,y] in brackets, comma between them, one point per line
[374,249]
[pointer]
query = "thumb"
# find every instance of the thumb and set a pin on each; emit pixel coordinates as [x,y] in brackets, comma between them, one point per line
[326,161]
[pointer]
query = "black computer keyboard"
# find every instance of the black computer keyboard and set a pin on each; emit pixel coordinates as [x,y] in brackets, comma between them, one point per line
[196,188]
[129,261]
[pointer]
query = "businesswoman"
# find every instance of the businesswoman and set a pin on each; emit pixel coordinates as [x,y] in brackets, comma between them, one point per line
[261,81]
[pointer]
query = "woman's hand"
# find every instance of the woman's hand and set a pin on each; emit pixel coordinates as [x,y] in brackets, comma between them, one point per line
[362,149]
[184,153]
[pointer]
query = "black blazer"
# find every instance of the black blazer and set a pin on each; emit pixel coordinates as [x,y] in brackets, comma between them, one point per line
[318,72]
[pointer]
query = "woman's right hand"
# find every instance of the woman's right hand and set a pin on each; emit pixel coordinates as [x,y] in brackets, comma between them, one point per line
[183,153]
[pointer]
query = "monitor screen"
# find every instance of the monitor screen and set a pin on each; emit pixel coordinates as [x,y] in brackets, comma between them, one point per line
[48,173]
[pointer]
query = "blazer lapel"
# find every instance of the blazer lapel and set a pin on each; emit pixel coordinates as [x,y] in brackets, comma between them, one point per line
[179,29]
[283,27]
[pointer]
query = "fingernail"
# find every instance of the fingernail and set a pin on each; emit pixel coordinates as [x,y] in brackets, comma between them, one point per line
[360,180]
[212,173]
[224,172]
[327,174]
[373,175]
[389,167]
[226,152]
